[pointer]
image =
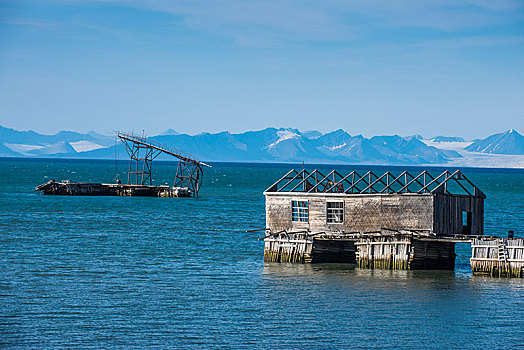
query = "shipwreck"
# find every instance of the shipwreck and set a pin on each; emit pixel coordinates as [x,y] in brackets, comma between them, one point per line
[142,152]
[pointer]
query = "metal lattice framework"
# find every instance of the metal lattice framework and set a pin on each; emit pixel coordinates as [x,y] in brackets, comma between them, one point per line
[370,183]
[142,152]
[189,174]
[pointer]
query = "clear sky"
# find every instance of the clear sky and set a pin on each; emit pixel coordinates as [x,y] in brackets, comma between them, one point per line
[370,67]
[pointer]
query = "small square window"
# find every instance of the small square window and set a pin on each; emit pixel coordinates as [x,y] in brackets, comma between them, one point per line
[300,211]
[335,212]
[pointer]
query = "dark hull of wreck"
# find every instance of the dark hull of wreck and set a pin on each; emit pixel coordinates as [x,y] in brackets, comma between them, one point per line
[101,189]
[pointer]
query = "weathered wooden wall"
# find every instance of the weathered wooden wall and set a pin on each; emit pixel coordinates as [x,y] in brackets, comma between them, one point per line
[373,212]
[362,213]
[440,213]
[448,213]
[278,214]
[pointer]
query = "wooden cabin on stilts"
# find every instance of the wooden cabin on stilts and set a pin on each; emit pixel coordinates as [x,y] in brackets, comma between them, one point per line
[391,220]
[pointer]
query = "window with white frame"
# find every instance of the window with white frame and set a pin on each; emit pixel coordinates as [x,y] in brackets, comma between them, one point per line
[300,211]
[335,212]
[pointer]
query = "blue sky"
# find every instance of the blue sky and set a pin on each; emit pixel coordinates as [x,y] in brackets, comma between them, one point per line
[369,67]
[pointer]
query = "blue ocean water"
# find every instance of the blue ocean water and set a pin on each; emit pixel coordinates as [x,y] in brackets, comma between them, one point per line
[132,272]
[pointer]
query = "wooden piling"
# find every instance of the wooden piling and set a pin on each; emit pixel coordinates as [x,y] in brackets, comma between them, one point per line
[400,250]
[304,248]
[405,252]
[498,257]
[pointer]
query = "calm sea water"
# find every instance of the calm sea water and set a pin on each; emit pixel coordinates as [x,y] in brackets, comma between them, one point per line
[111,272]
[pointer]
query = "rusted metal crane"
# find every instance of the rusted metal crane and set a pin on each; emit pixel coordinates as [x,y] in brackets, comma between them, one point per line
[142,152]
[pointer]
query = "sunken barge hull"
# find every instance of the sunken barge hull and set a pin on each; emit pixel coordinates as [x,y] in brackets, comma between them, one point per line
[100,189]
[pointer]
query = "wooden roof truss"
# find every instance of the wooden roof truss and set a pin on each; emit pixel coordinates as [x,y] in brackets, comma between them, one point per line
[370,183]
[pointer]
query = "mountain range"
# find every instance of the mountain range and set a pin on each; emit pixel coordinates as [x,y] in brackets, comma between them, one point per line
[267,145]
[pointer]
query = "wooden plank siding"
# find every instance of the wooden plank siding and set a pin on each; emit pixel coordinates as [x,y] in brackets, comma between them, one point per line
[438,213]
[373,212]
[448,211]
[278,213]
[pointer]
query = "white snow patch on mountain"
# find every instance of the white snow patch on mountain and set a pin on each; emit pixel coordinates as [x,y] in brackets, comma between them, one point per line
[455,146]
[336,147]
[22,149]
[282,136]
[84,146]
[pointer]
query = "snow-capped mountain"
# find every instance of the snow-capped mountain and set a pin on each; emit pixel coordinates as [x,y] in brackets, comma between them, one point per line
[509,142]
[29,143]
[291,145]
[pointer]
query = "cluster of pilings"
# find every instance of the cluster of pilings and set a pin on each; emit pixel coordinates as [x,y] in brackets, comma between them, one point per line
[303,247]
[290,249]
[400,250]
[384,252]
[498,257]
